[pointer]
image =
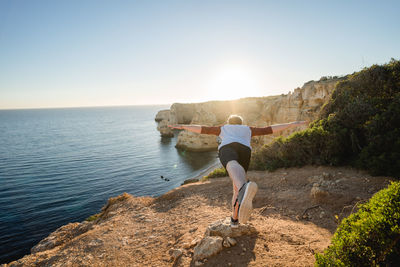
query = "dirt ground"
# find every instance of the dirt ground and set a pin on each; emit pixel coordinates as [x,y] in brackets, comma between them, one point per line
[294,215]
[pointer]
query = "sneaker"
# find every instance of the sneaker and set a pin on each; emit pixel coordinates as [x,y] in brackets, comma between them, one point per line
[234,223]
[245,200]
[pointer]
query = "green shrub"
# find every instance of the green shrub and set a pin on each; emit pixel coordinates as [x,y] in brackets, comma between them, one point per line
[369,237]
[93,217]
[381,154]
[312,146]
[218,172]
[359,126]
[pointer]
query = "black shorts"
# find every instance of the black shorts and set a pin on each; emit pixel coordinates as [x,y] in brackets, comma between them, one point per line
[235,151]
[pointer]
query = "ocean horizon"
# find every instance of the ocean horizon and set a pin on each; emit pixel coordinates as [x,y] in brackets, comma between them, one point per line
[61,165]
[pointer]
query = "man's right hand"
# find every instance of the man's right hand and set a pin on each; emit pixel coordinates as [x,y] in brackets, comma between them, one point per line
[298,123]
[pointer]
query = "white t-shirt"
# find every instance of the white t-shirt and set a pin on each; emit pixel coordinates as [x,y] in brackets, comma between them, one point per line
[231,133]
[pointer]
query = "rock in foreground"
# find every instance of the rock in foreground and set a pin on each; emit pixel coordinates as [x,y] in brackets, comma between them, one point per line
[220,234]
[223,229]
[208,246]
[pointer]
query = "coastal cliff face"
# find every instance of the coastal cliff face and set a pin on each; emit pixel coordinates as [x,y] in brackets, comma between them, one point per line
[302,104]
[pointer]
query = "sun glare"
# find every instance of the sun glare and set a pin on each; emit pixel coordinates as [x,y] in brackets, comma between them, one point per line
[233,82]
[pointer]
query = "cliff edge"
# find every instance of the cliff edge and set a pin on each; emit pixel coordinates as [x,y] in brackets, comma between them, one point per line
[295,217]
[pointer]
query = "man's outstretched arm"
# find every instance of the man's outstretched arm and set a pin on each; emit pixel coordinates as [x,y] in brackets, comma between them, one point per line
[256,131]
[284,126]
[191,128]
[214,130]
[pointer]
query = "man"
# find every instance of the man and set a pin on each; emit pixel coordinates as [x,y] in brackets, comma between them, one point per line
[234,153]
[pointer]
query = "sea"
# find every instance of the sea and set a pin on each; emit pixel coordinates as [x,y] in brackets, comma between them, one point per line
[62,165]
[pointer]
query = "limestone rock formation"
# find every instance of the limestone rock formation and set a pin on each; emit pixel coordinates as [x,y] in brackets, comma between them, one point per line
[182,113]
[302,104]
[196,142]
[223,229]
[175,253]
[61,235]
[162,115]
[164,130]
[231,241]
[208,246]
[318,193]
[219,234]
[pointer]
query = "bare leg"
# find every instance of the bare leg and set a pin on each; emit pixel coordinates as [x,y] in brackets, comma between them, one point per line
[235,209]
[238,176]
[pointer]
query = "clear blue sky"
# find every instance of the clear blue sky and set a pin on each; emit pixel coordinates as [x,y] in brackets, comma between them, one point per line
[94,53]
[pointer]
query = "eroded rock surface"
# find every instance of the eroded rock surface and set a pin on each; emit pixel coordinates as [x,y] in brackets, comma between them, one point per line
[218,235]
[302,104]
[61,236]
[163,231]
[208,246]
[223,229]
[164,130]
[162,115]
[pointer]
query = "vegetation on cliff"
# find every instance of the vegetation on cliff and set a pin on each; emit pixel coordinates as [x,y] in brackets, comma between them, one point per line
[359,126]
[369,237]
[218,172]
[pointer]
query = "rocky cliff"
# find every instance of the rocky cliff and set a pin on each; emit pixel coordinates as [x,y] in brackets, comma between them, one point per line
[302,104]
[296,213]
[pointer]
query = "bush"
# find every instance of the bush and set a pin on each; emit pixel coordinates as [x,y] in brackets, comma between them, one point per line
[359,126]
[311,146]
[219,172]
[93,217]
[381,154]
[369,237]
